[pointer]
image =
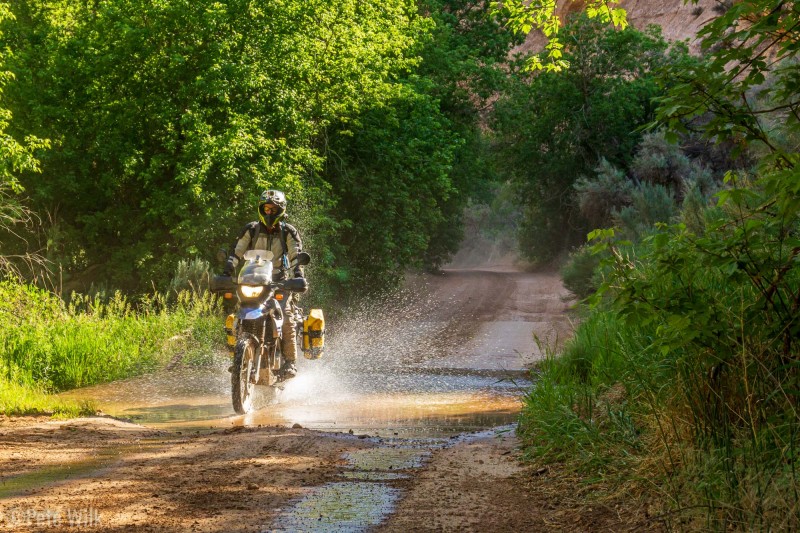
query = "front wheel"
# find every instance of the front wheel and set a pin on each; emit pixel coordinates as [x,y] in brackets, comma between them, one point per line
[242,386]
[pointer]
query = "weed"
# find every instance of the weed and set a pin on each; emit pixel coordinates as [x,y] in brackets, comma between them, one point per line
[683,377]
[49,345]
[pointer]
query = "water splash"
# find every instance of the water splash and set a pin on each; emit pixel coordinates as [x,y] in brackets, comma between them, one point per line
[369,381]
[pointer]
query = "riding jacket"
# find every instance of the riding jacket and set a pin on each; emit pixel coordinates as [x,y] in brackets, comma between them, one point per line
[280,239]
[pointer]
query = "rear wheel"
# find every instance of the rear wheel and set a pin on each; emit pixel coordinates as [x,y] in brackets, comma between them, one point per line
[244,361]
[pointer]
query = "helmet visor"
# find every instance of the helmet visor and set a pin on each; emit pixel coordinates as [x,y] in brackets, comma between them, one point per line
[270,209]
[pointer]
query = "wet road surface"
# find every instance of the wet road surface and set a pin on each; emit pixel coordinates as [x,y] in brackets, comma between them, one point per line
[450,363]
[402,381]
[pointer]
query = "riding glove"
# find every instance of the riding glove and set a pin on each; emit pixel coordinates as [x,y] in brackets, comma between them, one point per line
[229,267]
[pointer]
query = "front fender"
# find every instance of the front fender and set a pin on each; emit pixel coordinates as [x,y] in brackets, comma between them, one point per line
[251,313]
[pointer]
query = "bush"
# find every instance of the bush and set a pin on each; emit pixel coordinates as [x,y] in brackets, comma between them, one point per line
[659,162]
[601,198]
[650,205]
[192,275]
[579,272]
[688,361]
[56,346]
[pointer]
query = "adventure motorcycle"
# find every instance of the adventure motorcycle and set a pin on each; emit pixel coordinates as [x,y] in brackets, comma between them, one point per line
[254,330]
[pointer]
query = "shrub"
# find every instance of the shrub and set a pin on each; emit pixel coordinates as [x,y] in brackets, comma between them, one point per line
[650,204]
[600,198]
[193,275]
[659,162]
[688,361]
[579,272]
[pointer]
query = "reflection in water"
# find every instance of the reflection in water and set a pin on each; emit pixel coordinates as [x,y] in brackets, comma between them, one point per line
[361,502]
[324,395]
[342,506]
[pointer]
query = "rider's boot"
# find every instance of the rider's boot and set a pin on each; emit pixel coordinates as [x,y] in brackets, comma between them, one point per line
[289,347]
[289,370]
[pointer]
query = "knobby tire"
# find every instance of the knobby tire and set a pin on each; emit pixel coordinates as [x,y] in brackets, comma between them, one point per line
[242,390]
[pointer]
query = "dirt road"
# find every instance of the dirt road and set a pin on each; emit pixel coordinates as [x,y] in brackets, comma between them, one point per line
[404,426]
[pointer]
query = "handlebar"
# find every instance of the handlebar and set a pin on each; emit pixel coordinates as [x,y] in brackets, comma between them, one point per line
[228,284]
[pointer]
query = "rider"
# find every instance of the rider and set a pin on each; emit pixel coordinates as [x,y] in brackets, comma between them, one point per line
[272,233]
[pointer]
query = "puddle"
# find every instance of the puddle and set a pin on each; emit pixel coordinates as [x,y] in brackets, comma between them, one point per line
[341,507]
[362,502]
[371,492]
[407,402]
[374,476]
[383,459]
[20,484]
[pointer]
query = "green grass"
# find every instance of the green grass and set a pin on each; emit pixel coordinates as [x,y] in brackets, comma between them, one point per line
[16,400]
[48,346]
[682,385]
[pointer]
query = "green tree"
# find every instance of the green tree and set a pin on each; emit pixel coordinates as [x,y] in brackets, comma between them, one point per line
[554,127]
[404,170]
[15,157]
[523,17]
[466,61]
[168,118]
[745,92]
[392,178]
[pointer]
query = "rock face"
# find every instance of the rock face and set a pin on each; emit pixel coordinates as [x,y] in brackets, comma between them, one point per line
[678,20]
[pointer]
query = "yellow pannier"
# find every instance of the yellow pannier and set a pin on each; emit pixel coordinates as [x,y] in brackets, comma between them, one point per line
[314,334]
[230,331]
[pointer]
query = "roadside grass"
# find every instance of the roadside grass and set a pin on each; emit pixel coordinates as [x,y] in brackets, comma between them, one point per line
[50,346]
[681,384]
[21,400]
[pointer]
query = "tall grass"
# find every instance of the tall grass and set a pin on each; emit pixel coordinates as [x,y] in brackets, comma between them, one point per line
[49,345]
[16,399]
[683,381]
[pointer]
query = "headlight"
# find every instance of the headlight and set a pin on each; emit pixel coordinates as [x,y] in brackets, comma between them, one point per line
[249,291]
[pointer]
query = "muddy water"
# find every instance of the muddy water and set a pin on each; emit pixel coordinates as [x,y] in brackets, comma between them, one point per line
[387,402]
[444,357]
[447,360]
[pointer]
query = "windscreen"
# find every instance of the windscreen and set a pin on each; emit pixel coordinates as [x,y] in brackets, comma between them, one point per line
[257,269]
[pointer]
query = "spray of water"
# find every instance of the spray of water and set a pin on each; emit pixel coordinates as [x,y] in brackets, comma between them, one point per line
[371,378]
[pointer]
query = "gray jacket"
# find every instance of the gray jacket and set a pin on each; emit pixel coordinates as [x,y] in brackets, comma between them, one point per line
[255,236]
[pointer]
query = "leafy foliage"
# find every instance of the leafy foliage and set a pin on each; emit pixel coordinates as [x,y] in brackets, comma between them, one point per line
[541,15]
[556,126]
[180,112]
[601,198]
[697,323]
[391,180]
[168,119]
[15,157]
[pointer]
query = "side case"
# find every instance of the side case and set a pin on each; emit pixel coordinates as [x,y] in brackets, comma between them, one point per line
[230,332]
[314,334]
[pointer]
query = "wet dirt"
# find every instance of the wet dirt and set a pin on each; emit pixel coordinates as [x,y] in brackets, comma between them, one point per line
[453,362]
[339,448]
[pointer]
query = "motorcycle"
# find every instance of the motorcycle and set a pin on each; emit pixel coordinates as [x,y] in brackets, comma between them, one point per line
[255,329]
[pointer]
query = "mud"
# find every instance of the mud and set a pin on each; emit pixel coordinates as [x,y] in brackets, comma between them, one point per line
[349,445]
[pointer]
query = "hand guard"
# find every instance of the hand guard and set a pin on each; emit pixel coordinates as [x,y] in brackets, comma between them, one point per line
[229,267]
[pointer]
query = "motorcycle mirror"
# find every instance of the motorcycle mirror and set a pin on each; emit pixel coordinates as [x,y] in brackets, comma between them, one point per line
[222,255]
[303,259]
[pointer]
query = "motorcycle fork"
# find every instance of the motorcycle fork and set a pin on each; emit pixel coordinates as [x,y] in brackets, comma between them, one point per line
[260,359]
